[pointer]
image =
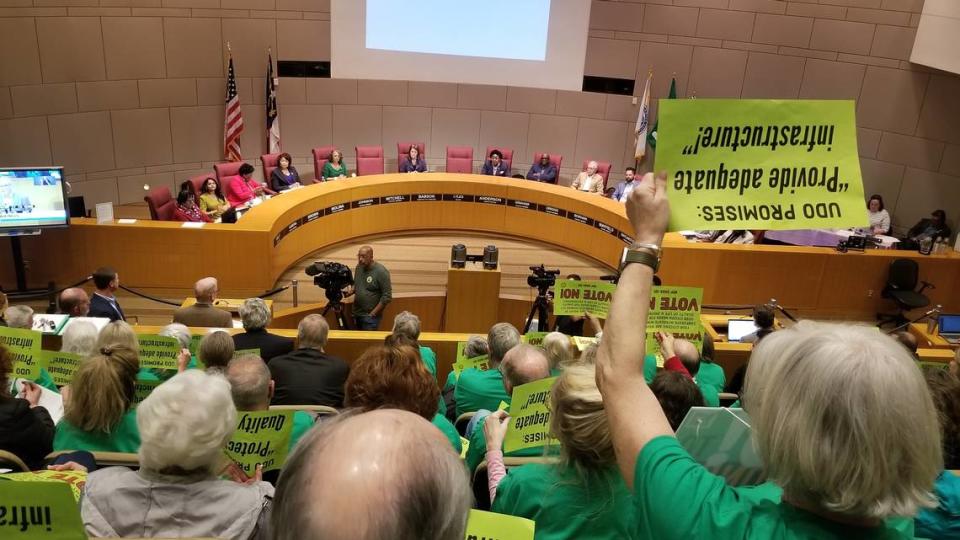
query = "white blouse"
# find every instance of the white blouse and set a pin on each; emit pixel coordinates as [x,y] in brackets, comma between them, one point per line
[879,220]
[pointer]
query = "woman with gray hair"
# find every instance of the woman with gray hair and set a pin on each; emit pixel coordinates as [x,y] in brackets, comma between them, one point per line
[408,325]
[80,337]
[841,419]
[255,316]
[184,426]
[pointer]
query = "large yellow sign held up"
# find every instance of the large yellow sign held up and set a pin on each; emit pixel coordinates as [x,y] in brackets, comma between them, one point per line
[761,164]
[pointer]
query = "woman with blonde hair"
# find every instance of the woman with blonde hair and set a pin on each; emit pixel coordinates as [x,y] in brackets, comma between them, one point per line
[583,495]
[841,419]
[99,416]
[558,349]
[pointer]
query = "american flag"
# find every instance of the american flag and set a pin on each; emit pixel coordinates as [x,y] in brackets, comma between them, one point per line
[233,119]
[273,121]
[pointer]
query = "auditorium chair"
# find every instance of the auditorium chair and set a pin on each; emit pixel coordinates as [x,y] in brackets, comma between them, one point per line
[321,155]
[603,169]
[369,160]
[901,287]
[229,168]
[481,488]
[404,147]
[555,159]
[269,162]
[9,460]
[507,156]
[462,421]
[460,159]
[161,204]
[197,183]
[316,410]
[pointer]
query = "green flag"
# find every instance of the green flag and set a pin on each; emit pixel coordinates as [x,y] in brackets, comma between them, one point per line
[652,136]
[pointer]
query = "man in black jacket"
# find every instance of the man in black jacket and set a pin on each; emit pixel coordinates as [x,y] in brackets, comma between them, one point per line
[256,317]
[308,376]
[104,302]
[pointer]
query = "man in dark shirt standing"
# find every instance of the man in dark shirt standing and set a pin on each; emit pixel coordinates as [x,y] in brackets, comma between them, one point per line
[309,376]
[104,301]
[371,285]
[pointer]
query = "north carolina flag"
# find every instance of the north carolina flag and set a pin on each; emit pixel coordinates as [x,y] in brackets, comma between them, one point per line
[643,120]
[273,118]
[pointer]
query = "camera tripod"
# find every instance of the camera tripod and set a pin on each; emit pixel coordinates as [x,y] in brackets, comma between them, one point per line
[335,302]
[540,308]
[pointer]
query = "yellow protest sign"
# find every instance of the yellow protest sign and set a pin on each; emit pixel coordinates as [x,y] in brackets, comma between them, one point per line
[75,479]
[576,297]
[529,425]
[493,526]
[142,388]
[653,346]
[675,309]
[583,342]
[261,438]
[534,338]
[158,352]
[39,510]
[61,365]
[246,352]
[761,164]
[24,345]
[464,447]
[481,362]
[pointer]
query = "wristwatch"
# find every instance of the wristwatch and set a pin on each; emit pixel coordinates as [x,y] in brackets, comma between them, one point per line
[648,254]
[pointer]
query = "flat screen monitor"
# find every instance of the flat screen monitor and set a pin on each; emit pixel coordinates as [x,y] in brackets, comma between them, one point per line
[32,198]
[949,324]
[738,328]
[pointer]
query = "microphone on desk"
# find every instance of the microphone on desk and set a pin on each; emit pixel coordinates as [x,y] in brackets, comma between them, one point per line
[937,310]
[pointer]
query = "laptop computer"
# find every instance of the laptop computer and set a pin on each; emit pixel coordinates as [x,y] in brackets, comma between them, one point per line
[738,328]
[949,327]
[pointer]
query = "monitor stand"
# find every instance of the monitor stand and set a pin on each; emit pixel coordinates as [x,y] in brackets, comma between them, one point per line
[17,249]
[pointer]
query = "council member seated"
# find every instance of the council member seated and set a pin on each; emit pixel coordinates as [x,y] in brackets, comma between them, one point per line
[879,217]
[412,162]
[624,188]
[589,181]
[187,209]
[495,166]
[544,171]
[933,228]
[285,176]
[334,167]
[212,201]
[10,202]
[242,188]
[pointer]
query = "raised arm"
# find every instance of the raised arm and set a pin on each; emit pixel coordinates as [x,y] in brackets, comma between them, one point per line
[634,415]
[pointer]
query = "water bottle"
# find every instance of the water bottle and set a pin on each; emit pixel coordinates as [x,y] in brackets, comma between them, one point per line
[926,246]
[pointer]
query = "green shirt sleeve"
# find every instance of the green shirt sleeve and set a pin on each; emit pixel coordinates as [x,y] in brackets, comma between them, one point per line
[649,367]
[386,289]
[46,380]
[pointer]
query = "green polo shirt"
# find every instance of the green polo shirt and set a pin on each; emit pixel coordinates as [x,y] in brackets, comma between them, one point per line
[566,506]
[480,390]
[667,480]
[124,437]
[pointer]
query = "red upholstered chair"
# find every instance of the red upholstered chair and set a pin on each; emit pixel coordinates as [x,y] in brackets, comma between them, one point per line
[404,147]
[369,160]
[320,156]
[230,168]
[460,159]
[197,183]
[507,156]
[555,159]
[269,163]
[603,168]
[161,203]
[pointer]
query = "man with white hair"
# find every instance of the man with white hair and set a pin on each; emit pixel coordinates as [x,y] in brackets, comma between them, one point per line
[252,389]
[309,376]
[355,477]
[74,301]
[255,316]
[521,365]
[483,389]
[202,313]
[589,181]
[19,317]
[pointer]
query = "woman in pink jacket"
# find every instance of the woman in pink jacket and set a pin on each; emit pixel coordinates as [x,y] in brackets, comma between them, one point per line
[242,188]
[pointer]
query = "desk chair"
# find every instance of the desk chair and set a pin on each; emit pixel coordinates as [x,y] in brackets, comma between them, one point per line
[321,155]
[197,183]
[404,147]
[555,159]
[901,287]
[460,159]
[230,168]
[161,204]
[269,162]
[369,160]
[603,169]
[507,157]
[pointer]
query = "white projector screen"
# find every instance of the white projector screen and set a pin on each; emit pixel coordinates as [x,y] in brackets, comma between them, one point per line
[533,43]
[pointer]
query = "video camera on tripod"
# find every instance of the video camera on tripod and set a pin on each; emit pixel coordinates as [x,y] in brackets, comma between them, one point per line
[332,277]
[542,279]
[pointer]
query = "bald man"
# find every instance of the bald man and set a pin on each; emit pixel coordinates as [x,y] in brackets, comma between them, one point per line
[354,477]
[371,285]
[521,365]
[74,302]
[688,355]
[589,181]
[202,313]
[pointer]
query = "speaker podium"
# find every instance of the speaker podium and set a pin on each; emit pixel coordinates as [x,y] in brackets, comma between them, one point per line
[473,296]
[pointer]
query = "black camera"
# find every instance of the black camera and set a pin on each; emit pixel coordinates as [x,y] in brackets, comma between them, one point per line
[332,277]
[541,278]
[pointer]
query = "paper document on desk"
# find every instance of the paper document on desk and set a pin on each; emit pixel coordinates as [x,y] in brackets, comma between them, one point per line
[49,400]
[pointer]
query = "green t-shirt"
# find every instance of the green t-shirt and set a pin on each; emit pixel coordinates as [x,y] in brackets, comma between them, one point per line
[429,359]
[564,506]
[448,430]
[302,422]
[125,437]
[667,480]
[372,287]
[479,390]
[711,392]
